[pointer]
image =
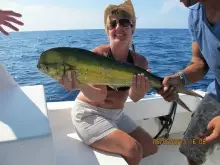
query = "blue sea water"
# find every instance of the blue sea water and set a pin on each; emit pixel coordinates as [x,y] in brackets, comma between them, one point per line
[167,50]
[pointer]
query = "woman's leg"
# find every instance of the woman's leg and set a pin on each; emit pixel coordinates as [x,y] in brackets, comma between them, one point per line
[98,129]
[145,140]
[121,143]
[126,124]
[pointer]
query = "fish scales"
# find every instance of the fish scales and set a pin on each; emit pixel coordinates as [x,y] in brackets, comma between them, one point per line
[92,68]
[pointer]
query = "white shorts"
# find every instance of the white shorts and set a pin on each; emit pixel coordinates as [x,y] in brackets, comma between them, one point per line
[94,123]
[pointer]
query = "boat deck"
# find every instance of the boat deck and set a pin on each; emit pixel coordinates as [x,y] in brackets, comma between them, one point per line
[71,151]
[39,133]
[170,155]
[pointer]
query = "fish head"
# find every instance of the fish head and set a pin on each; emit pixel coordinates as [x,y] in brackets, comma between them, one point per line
[51,63]
[56,71]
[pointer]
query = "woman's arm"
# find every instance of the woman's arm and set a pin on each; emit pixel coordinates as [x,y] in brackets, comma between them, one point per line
[140,84]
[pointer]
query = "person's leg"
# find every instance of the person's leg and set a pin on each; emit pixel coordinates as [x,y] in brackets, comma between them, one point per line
[121,143]
[97,129]
[126,124]
[146,141]
[195,149]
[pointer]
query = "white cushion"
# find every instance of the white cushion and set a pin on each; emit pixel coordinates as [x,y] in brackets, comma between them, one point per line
[25,136]
[87,153]
[23,112]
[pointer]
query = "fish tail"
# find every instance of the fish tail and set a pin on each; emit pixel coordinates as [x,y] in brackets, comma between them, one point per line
[189,92]
[182,104]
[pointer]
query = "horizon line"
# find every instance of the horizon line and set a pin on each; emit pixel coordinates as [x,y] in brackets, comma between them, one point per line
[95,29]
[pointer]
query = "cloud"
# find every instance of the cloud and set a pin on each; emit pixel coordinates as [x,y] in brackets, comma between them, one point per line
[170,4]
[52,17]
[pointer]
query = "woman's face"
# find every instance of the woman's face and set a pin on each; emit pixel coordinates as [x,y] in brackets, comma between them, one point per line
[120,30]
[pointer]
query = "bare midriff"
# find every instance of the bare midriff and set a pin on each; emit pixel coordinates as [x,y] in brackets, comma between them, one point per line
[114,100]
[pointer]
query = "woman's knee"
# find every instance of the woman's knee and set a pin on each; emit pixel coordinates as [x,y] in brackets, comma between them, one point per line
[153,150]
[134,150]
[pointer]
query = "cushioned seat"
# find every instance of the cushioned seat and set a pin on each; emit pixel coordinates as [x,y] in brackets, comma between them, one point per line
[25,135]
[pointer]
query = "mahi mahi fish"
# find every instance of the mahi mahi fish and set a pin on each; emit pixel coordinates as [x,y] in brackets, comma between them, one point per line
[92,68]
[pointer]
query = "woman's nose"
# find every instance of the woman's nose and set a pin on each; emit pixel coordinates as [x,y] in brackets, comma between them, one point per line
[118,26]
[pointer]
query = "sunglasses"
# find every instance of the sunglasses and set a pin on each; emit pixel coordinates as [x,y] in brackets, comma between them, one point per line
[122,22]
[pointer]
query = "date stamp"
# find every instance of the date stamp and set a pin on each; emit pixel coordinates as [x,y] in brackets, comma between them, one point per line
[177,141]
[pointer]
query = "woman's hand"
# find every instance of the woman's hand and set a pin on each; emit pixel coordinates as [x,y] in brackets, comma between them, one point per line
[69,81]
[6,18]
[140,86]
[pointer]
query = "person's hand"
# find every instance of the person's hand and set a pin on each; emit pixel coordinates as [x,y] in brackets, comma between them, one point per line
[140,85]
[69,81]
[6,18]
[214,128]
[168,91]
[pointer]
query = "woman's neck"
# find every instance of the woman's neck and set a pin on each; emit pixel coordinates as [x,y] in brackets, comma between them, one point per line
[120,52]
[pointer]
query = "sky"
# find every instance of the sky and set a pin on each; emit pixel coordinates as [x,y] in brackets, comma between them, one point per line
[40,15]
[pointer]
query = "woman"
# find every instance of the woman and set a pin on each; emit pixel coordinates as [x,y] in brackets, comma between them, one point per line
[98,110]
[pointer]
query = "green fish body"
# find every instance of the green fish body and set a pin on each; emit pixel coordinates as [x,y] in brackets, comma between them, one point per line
[92,68]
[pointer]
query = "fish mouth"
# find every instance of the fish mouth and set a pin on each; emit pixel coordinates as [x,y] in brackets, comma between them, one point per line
[38,66]
[42,67]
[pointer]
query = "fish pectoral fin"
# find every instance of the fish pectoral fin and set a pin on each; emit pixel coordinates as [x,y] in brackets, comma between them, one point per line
[182,104]
[113,87]
[69,76]
[189,92]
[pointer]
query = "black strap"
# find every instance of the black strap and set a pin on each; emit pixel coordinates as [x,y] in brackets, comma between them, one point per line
[129,58]
[167,121]
[133,48]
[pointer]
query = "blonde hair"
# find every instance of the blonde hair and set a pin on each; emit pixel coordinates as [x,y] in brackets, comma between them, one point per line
[124,10]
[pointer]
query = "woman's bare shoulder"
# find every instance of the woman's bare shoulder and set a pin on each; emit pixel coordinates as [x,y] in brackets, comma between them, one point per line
[140,60]
[101,50]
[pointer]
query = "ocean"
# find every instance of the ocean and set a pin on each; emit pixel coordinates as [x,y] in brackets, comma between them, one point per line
[167,51]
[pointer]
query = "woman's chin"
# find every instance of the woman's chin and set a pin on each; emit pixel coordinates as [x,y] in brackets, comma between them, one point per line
[119,41]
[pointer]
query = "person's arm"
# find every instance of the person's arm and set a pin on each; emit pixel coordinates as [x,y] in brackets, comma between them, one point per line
[195,71]
[6,18]
[197,68]
[140,84]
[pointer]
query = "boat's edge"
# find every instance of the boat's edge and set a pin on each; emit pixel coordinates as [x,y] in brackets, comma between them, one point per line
[59,105]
